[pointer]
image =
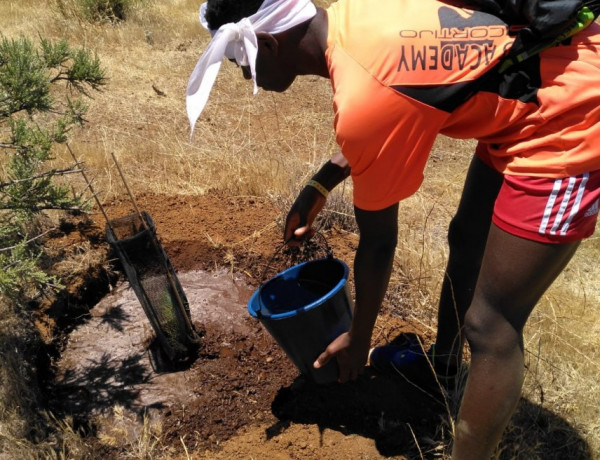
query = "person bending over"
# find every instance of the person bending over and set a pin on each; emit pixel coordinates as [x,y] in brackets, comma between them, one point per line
[402,72]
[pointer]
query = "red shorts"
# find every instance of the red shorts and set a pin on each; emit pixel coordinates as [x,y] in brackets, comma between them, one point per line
[547,209]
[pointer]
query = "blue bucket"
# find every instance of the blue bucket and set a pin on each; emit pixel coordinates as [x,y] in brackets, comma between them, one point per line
[305,308]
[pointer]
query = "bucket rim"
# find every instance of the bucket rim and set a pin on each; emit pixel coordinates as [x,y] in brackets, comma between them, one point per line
[256,313]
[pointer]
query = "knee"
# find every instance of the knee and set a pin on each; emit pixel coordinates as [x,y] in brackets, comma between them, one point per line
[477,329]
[489,332]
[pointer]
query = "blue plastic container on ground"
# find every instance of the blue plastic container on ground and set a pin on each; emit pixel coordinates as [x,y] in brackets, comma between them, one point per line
[305,308]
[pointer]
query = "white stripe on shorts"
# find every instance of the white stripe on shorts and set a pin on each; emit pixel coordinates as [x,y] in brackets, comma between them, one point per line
[563,205]
[577,203]
[549,206]
[562,209]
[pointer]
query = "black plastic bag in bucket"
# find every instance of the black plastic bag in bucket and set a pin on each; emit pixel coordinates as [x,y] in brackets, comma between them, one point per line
[305,308]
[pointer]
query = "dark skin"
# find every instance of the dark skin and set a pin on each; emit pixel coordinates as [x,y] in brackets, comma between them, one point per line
[492,282]
[372,268]
[467,237]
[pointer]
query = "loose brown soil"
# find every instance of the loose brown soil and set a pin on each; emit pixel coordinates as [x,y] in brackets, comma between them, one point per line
[242,397]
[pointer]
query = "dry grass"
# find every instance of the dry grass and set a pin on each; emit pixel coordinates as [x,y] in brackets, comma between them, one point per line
[266,145]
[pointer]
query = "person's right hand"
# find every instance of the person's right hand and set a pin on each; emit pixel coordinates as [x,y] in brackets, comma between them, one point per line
[298,224]
[351,355]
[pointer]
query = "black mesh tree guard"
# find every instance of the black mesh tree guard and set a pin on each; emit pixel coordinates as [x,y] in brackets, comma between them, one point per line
[155,283]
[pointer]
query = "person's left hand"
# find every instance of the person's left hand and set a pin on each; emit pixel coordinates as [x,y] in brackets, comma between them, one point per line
[298,224]
[351,357]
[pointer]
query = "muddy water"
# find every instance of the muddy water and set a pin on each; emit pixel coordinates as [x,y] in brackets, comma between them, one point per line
[105,369]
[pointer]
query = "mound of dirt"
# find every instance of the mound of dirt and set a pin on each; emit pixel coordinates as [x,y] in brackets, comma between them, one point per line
[241,397]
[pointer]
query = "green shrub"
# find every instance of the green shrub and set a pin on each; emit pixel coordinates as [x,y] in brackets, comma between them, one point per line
[40,103]
[106,10]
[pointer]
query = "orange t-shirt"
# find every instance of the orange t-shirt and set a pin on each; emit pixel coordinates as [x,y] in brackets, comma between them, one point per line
[404,71]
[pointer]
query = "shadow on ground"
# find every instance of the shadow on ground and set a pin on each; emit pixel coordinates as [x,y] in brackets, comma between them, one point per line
[405,421]
[537,433]
[402,419]
[101,384]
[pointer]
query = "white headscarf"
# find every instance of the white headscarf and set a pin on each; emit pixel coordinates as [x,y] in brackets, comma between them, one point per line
[238,41]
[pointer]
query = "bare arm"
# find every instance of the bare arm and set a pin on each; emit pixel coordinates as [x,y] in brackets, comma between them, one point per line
[372,269]
[310,201]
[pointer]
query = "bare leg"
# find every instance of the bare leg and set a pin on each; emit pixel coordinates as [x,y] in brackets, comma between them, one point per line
[467,238]
[515,272]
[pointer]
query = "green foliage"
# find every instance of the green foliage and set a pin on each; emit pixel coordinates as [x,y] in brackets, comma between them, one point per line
[85,70]
[20,271]
[23,81]
[106,10]
[40,103]
[97,11]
